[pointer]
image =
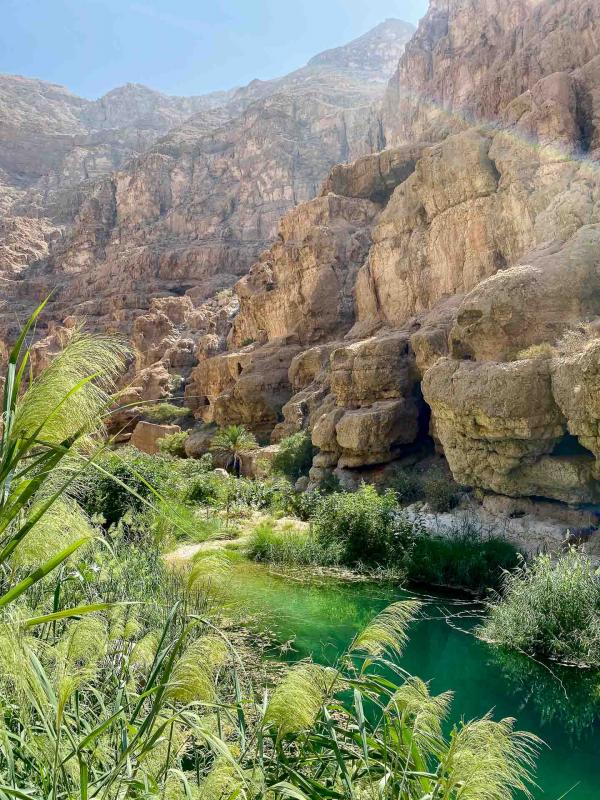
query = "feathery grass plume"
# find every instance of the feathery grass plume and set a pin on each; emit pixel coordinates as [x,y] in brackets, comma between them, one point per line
[17,673]
[297,700]
[421,711]
[209,570]
[124,623]
[87,369]
[387,633]
[222,782]
[193,677]
[85,642]
[77,655]
[63,524]
[488,760]
[164,751]
[143,652]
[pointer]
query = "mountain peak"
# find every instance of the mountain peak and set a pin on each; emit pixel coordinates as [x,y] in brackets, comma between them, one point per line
[375,52]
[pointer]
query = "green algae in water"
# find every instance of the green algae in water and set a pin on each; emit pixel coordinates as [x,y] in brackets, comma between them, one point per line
[562,706]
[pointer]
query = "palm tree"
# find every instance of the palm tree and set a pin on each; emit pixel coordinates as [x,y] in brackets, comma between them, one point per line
[234,441]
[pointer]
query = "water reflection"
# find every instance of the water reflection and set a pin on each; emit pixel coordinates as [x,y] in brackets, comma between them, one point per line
[560,696]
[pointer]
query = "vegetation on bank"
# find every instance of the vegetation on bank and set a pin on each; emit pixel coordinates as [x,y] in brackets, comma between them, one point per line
[366,529]
[166,413]
[295,456]
[549,608]
[115,681]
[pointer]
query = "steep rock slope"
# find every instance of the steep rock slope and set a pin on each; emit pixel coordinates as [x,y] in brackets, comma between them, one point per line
[192,212]
[474,313]
[52,141]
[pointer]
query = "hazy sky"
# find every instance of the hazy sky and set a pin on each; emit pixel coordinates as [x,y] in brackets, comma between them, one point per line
[180,47]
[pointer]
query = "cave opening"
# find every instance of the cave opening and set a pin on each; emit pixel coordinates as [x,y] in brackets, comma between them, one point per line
[570,445]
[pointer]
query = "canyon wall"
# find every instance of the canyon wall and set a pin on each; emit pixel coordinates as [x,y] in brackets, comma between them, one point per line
[447,288]
[199,186]
[412,266]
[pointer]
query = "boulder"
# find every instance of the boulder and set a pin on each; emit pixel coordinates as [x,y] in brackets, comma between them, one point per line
[147,435]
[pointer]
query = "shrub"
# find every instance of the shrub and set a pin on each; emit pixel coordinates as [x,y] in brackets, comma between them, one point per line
[440,490]
[128,479]
[549,609]
[364,523]
[330,483]
[206,490]
[303,504]
[291,546]
[463,559]
[295,456]
[407,484]
[164,413]
[174,444]
[536,351]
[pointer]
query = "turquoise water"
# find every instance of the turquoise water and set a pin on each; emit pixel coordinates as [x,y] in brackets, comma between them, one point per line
[562,707]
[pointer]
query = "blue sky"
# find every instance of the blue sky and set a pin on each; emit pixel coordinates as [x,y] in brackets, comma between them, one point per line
[180,47]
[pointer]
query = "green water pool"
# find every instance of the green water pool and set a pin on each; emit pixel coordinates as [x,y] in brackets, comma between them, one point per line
[562,707]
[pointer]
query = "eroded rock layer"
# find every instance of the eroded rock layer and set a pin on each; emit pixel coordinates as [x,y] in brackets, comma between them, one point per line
[448,286]
[441,288]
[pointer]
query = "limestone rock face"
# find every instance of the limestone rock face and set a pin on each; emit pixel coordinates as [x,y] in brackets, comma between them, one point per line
[443,283]
[483,246]
[248,387]
[188,205]
[469,59]
[371,408]
[576,389]
[554,288]
[492,417]
[303,285]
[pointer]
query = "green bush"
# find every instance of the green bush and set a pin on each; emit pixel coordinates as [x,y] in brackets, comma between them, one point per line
[213,489]
[166,413]
[206,490]
[364,523]
[174,444]
[440,490]
[303,504]
[127,482]
[549,609]
[291,546]
[462,560]
[330,483]
[407,484]
[295,456]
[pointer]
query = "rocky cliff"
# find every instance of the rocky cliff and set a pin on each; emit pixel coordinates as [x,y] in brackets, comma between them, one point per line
[199,186]
[441,286]
[447,288]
